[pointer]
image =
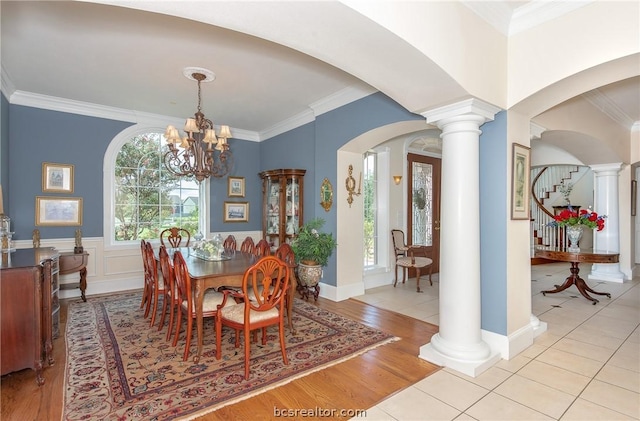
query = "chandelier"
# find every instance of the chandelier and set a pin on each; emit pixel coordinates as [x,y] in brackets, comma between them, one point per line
[195,155]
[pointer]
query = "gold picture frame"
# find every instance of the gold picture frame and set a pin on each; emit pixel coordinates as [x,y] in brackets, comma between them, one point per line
[236,211]
[57,178]
[326,194]
[520,181]
[58,211]
[235,186]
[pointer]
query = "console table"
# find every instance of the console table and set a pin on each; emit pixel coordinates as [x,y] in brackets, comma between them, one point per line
[561,254]
[71,262]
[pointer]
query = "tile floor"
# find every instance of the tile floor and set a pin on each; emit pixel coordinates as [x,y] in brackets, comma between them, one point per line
[586,366]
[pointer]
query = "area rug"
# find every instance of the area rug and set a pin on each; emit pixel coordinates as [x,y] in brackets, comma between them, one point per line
[118,368]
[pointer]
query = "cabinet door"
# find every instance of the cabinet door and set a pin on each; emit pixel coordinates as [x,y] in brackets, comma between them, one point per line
[273,210]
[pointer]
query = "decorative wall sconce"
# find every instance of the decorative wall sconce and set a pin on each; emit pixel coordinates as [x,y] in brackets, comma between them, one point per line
[326,194]
[397,179]
[350,183]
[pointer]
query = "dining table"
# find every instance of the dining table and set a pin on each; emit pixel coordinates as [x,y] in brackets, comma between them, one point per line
[206,274]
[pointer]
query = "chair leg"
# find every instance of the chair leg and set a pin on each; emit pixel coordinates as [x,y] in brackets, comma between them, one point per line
[164,311]
[149,300]
[282,347]
[247,352]
[178,323]
[187,344]
[218,324]
[418,278]
[172,308]
[155,308]
[396,281]
[144,296]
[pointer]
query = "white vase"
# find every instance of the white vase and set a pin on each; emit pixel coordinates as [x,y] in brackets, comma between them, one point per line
[574,233]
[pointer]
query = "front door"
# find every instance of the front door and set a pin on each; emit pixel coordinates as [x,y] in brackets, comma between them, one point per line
[424,205]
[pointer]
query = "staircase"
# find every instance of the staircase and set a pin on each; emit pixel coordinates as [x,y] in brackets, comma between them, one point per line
[545,189]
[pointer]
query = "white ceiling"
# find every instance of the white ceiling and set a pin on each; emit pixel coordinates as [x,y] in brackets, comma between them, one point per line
[133,60]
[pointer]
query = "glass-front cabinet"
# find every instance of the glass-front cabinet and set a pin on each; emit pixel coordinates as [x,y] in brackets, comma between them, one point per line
[282,191]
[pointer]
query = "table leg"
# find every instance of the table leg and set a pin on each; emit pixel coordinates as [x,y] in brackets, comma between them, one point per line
[83,283]
[199,299]
[582,286]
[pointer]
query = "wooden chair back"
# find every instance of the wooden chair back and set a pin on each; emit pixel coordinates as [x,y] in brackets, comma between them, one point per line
[262,248]
[248,246]
[183,281]
[174,237]
[265,283]
[229,243]
[399,246]
[285,253]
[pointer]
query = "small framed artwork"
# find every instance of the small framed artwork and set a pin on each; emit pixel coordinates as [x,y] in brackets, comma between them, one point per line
[235,187]
[57,178]
[634,197]
[236,211]
[521,174]
[58,211]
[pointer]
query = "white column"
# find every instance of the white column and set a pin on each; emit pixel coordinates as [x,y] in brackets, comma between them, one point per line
[459,344]
[607,203]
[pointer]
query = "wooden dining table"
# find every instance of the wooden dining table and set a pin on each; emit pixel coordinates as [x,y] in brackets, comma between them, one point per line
[207,274]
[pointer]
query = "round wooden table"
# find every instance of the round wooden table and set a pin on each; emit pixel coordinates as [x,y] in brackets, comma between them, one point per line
[575,258]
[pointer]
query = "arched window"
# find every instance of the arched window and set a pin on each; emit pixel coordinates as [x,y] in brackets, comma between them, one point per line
[142,196]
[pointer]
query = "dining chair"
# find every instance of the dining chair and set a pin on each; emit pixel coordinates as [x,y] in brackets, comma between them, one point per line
[145,289]
[174,237]
[229,243]
[262,248]
[248,246]
[171,290]
[156,282]
[270,277]
[406,258]
[285,253]
[211,301]
[400,248]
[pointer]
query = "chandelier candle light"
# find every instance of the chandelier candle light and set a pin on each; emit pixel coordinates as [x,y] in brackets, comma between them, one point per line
[194,154]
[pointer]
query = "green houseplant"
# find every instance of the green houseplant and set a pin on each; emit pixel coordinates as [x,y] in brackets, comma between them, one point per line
[311,246]
[312,249]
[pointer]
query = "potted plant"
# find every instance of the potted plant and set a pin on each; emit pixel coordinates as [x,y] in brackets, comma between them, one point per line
[574,221]
[312,249]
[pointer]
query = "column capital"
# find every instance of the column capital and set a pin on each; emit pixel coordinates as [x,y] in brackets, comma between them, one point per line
[600,168]
[469,107]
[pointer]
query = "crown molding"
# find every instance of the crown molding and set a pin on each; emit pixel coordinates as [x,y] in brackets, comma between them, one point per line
[510,21]
[604,104]
[329,103]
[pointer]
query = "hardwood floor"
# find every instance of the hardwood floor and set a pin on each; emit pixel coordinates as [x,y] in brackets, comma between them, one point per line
[358,383]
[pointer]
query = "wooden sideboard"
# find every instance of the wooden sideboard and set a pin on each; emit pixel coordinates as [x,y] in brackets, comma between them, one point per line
[29,309]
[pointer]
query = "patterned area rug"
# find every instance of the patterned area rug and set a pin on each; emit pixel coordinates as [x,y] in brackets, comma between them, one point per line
[120,369]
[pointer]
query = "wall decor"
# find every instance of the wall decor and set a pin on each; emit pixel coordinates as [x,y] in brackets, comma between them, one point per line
[634,197]
[58,211]
[235,187]
[350,184]
[57,178]
[520,176]
[236,211]
[326,194]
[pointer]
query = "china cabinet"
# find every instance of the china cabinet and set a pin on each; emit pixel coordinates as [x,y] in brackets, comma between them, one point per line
[30,307]
[282,204]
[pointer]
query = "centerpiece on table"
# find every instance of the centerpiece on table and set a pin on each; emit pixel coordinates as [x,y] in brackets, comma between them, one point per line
[574,222]
[312,249]
[210,249]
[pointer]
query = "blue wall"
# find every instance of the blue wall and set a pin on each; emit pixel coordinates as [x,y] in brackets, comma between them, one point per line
[4,149]
[493,228]
[39,136]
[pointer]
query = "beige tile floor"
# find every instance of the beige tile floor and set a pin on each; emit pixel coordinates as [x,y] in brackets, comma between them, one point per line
[585,367]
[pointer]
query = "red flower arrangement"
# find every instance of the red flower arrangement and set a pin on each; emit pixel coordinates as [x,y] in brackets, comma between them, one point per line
[584,217]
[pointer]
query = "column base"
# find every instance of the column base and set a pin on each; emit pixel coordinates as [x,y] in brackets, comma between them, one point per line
[609,272]
[470,367]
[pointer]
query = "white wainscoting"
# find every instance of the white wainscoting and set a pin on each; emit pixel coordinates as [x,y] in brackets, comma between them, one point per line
[113,270]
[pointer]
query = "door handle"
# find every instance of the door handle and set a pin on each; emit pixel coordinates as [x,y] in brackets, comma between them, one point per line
[436,225]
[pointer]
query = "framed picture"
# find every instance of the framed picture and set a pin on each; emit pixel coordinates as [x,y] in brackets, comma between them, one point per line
[236,211]
[57,178]
[520,180]
[634,197]
[235,187]
[58,211]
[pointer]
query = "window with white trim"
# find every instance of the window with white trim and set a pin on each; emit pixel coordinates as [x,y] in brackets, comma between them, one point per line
[370,224]
[145,197]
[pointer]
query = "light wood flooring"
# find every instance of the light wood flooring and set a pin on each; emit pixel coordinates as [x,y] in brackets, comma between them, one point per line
[358,383]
